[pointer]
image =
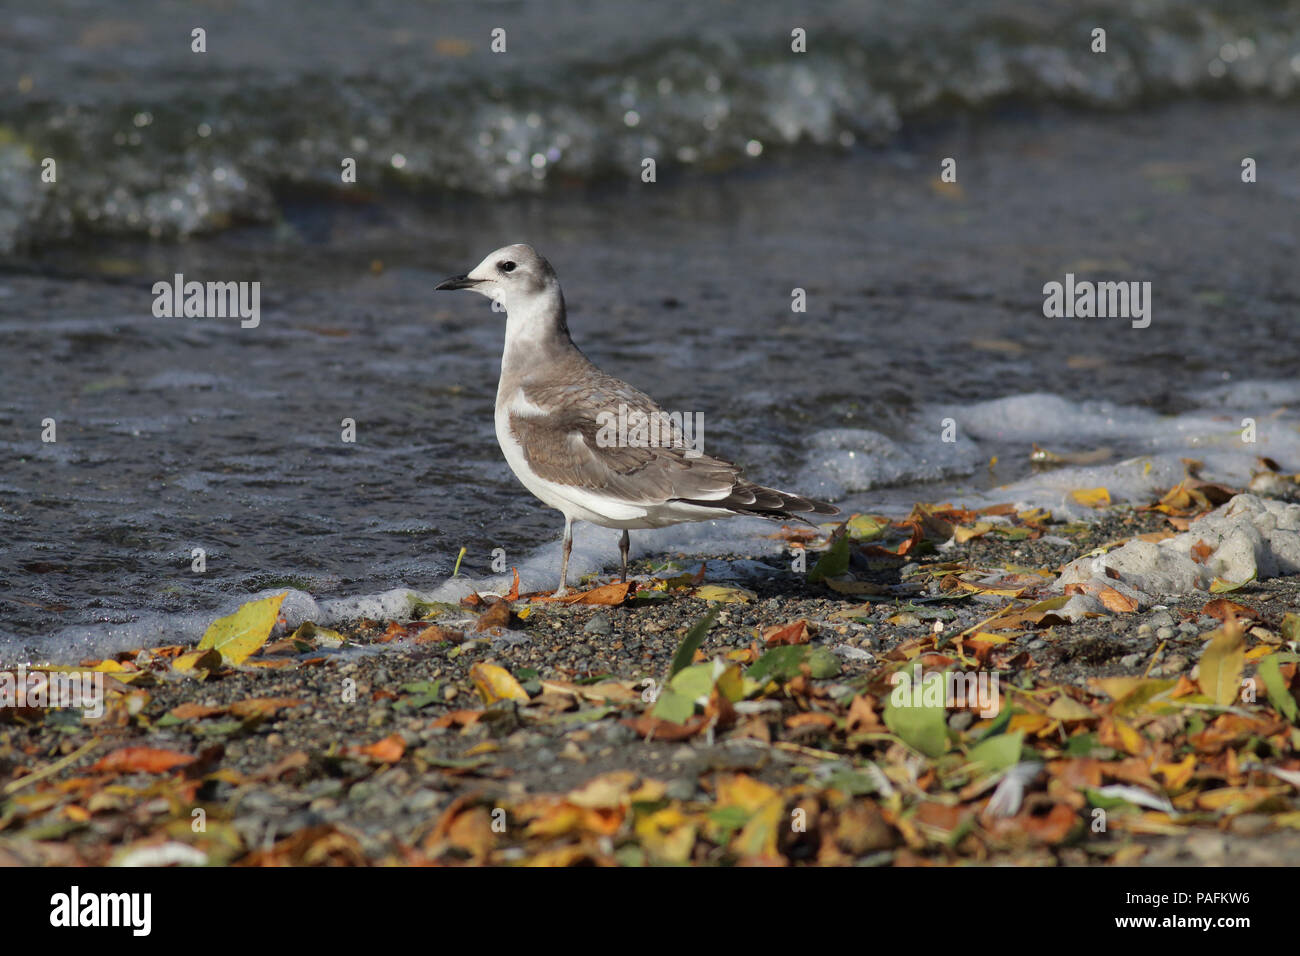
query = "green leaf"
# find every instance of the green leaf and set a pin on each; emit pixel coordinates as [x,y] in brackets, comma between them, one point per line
[1081,745]
[674,706]
[866,527]
[997,753]
[239,635]
[695,681]
[823,662]
[693,639]
[1279,695]
[780,663]
[833,563]
[921,728]
[1291,627]
[852,782]
[999,724]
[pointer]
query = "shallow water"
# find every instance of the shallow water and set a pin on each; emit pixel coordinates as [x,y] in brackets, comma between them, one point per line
[156,139]
[924,303]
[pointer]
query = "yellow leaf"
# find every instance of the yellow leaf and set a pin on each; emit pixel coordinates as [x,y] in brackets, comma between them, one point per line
[1067,709]
[1091,497]
[764,806]
[983,637]
[963,533]
[207,660]
[1220,586]
[667,835]
[867,528]
[1129,738]
[731,684]
[496,683]
[1177,774]
[606,792]
[239,635]
[1029,723]
[715,592]
[1221,665]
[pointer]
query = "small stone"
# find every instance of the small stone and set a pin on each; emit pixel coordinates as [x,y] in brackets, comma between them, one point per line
[1175,665]
[1166,633]
[961,720]
[1188,628]
[1145,630]
[599,624]
[1161,619]
[680,789]
[1130,660]
[619,733]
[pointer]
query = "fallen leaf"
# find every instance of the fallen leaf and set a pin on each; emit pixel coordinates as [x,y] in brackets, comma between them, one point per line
[388,750]
[495,683]
[1091,497]
[715,592]
[795,633]
[141,760]
[608,595]
[1222,609]
[1221,664]
[237,636]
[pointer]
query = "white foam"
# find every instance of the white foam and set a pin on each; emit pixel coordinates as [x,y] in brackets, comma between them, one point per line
[854,467]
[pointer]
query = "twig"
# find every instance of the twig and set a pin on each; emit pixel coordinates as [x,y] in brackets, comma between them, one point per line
[15,785]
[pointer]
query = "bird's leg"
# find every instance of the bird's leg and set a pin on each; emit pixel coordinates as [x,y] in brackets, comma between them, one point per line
[623,545]
[564,561]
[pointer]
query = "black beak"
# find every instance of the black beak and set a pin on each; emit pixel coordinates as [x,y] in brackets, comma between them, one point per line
[456,282]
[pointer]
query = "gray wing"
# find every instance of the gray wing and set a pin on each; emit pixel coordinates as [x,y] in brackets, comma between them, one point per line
[573,444]
[565,444]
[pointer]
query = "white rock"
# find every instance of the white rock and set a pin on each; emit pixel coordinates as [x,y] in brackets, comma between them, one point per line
[1251,537]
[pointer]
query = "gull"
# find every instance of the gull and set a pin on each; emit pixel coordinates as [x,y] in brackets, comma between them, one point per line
[553,412]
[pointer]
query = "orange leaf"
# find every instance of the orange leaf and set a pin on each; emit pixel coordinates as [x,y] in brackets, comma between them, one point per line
[388,750]
[796,633]
[607,594]
[810,719]
[648,726]
[1222,609]
[195,711]
[141,760]
[1114,601]
[262,706]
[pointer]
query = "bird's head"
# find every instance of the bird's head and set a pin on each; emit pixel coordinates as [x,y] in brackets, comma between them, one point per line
[513,275]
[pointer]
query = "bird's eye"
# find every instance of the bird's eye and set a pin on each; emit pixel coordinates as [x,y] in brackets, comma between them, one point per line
[506,266]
